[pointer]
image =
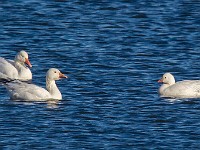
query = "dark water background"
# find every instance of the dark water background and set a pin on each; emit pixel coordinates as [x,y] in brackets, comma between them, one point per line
[113,53]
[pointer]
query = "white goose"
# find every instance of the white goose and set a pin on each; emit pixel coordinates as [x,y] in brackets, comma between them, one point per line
[29,92]
[16,69]
[181,89]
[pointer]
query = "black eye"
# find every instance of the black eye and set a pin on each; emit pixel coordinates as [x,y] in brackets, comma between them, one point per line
[55,72]
[165,77]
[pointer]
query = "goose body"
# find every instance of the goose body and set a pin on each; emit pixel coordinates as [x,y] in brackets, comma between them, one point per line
[181,89]
[30,92]
[16,69]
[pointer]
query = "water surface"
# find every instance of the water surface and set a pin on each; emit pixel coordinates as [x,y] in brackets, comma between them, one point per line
[113,53]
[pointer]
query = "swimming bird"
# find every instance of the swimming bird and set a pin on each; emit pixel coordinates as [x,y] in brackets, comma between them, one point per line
[19,90]
[181,89]
[16,69]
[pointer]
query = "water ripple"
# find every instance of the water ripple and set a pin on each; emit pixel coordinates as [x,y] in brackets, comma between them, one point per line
[113,53]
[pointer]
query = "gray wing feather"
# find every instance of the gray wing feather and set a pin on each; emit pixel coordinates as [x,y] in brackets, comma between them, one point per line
[25,91]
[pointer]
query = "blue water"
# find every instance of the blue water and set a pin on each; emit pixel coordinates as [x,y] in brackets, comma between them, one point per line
[113,53]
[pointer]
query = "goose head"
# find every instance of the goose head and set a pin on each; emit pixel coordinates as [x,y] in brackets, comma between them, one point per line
[22,57]
[167,78]
[54,74]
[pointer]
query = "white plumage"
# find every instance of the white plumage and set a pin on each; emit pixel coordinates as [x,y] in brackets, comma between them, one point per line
[181,89]
[29,92]
[16,69]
